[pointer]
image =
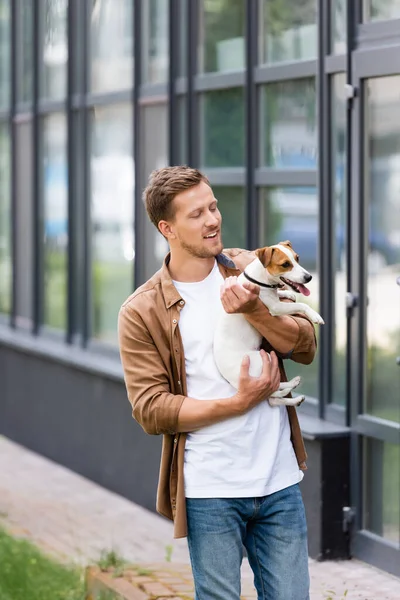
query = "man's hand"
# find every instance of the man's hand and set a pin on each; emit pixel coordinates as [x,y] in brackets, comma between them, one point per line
[253,390]
[239,297]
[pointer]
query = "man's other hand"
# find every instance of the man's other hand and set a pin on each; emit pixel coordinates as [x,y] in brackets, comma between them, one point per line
[239,297]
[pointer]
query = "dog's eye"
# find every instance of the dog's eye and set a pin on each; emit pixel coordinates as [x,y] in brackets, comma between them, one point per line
[297,257]
[286,264]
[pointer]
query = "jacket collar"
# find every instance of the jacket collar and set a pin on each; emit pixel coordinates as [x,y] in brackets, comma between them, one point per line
[171,294]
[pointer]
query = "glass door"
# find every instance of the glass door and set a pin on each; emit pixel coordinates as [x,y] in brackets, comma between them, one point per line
[375,328]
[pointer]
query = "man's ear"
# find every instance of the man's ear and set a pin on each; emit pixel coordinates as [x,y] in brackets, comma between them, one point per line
[165,229]
[286,243]
[264,255]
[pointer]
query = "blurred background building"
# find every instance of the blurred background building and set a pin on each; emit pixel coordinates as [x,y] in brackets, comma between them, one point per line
[292,109]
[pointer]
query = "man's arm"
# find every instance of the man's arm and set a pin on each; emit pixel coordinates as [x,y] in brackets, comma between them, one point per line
[158,410]
[291,336]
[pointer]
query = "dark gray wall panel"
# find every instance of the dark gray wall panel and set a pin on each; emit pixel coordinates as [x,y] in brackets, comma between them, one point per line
[80,420]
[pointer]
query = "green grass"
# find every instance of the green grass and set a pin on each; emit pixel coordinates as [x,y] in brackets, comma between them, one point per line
[26,574]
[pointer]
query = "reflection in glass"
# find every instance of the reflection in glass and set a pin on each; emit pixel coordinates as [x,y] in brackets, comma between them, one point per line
[338,124]
[289,125]
[112,45]
[339,26]
[183,27]
[292,214]
[112,187]
[182,127]
[5,49]
[381,10]
[24,224]
[232,207]
[222,128]
[24,52]
[382,489]
[5,221]
[154,156]
[155,41]
[382,170]
[289,30]
[222,36]
[55,191]
[54,49]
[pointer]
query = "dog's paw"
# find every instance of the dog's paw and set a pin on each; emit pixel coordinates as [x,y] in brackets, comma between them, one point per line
[295,382]
[287,294]
[316,318]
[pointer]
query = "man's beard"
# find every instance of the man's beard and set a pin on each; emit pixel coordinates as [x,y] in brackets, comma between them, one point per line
[202,252]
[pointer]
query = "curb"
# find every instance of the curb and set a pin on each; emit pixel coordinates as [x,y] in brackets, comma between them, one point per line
[144,582]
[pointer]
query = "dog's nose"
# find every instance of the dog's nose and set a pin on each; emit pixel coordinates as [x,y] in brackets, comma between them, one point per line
[308,277]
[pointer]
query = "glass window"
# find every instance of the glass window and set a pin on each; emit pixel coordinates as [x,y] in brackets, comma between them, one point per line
[382,202]
[381,10]
[54,50]
[112,204]
[289,125]
[289,30]
[55,197]
[183,37]
[24,224]
[339,26]
[222,36]
[338,122]
[112,63]
[25,52]
[231,203]
[5,221]
[292,214]
[382,489]
[182,125]
[155,156]
[5,42]
[222,128]
[155,41]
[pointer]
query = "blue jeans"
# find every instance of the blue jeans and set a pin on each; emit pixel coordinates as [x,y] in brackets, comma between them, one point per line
[273,530]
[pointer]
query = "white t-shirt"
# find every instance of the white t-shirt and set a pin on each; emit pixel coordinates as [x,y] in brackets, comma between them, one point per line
[245,456]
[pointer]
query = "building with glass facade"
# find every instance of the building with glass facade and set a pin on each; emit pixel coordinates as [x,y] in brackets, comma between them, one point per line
[292,109]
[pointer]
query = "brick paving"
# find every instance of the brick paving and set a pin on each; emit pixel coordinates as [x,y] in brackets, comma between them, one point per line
[75,520]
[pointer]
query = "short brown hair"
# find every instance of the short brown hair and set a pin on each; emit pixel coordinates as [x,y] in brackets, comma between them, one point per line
[166,183]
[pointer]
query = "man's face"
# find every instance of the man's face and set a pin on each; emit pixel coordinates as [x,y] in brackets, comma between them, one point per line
[196,226]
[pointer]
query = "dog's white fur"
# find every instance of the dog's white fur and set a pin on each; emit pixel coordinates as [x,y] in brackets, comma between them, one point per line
[235,337]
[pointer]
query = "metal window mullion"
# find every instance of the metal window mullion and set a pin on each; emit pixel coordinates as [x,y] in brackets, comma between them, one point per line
[193,124]
[139,211]
[173,120]
[353,193]
[13,147]
[326,213]
[86,296]
[251,125]
[72,19]
[37,250]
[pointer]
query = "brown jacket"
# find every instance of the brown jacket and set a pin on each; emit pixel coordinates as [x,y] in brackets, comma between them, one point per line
[154,369]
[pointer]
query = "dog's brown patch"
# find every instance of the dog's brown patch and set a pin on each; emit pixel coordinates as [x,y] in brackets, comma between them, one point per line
[280,263]
[289,246]
[274,260]
[264,255]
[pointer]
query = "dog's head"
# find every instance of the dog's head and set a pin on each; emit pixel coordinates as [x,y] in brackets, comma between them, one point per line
[282,263]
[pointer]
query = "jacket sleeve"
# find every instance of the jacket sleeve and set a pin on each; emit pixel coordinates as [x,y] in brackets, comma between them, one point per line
[302,337]
[154,407]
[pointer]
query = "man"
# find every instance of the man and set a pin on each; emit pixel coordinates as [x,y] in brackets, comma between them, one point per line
[231,464]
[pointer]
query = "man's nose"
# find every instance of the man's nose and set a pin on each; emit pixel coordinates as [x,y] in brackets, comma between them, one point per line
[212,220]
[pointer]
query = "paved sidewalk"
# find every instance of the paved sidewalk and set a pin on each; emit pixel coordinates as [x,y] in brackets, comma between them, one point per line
[74,519]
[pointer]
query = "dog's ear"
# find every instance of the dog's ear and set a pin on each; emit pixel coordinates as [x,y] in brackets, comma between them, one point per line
[264,255]
[286,243]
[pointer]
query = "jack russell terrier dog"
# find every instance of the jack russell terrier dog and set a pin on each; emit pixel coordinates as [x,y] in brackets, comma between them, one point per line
[275,266]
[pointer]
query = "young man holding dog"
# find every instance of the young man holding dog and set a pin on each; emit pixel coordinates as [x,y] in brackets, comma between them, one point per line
[231,464]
